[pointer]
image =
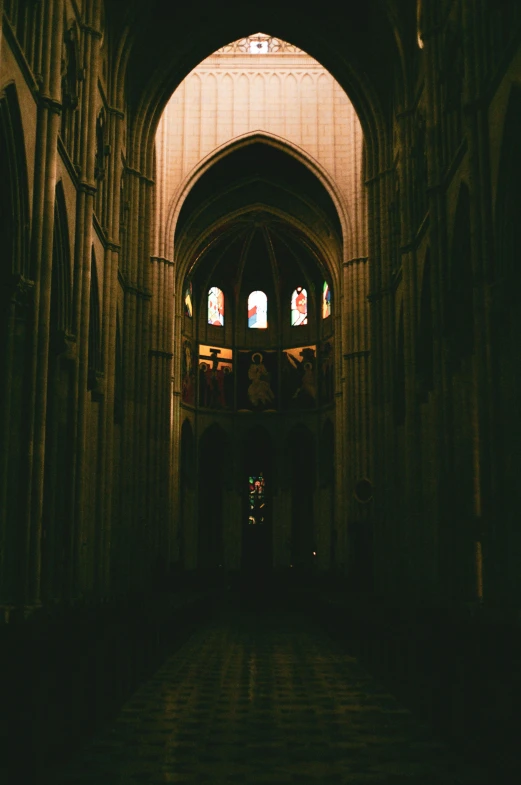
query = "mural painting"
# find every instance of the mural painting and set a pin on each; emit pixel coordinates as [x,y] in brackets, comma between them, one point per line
[215,378]
[257,389]
[299,385]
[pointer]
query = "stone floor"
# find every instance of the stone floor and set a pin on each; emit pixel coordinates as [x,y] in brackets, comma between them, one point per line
[259,697]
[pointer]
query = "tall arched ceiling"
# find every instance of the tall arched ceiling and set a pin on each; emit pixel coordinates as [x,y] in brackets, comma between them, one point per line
[167,40]
[256,180]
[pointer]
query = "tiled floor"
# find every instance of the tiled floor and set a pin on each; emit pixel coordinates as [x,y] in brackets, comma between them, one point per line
[264,698]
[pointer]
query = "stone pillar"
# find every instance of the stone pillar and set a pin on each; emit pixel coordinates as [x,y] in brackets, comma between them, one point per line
[83,538]
[48,123]
[356,357]
[382,325]
[110,292]
[475,119]
[160,375]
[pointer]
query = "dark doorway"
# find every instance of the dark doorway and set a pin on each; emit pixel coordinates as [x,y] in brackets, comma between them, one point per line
[302,458]
[213,443]
[186,487]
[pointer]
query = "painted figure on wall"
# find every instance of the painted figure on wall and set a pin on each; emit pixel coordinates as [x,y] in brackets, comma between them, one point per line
[299,307]
[216,307]
[215,378]
[257,389]
[299,378]
[188,376]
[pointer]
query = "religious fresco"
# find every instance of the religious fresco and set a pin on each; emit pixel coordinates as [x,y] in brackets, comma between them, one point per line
[216,380]
[326,300]
[258,310]
[326,376]
[299,384]
[257,387]
[299,307]
[188,373]
[188,300]
[216,307]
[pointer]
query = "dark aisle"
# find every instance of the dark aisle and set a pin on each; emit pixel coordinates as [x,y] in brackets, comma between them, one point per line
[263,697]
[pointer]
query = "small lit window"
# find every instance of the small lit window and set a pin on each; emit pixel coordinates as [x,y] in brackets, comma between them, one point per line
[326,301]
[188,300]
[216,307]
[256,496]
[299,307]
[258,46]
[258,310]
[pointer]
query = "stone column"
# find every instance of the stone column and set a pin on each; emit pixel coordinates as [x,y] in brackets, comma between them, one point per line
[48,124]
[110,292]
[160,365]
[476,126]
[382,326]
[356,357]
[83,539]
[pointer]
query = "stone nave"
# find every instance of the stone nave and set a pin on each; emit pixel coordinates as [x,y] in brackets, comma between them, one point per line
[260,413]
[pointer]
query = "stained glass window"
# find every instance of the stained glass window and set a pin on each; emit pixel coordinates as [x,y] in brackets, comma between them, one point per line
[258,310]
[299,307]
[326,301]
[257,501]
[188,300]
[216,307]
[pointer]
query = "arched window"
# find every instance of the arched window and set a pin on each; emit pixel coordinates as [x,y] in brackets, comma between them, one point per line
[299,307]
[216,307]
[258,310]
[326,300]
[188,300]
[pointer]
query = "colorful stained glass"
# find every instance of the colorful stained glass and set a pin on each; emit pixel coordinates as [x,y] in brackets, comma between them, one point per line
[257,501]
[326,301]
[258,310]
[216,307]
[299,307]
[188,300]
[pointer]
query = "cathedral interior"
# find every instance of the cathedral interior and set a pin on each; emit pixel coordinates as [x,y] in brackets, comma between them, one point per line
[260,392]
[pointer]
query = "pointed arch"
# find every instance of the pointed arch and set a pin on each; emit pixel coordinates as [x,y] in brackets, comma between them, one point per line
[14,193]
[272,140]
[61,292]
[213,451]
[301,449]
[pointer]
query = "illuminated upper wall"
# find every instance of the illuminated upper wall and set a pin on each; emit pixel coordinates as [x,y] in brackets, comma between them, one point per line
[281,91]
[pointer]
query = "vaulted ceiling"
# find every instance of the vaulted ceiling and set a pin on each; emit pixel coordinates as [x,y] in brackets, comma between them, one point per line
[363,47]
